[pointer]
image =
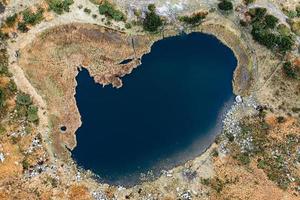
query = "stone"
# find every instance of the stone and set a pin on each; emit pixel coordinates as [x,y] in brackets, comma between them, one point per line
[238,99]
[2,158]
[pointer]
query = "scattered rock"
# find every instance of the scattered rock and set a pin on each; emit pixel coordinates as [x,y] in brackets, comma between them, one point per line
[238,99]
[2,158]
[186,195]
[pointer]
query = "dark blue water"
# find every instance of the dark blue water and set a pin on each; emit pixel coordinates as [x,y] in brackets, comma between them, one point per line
[172,100]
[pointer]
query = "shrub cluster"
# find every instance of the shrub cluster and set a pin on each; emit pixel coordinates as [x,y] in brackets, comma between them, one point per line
[152,21]
[33,18]
[107,9]
[194,19]
[30,18]
[60,6]
[26,108]
[265,32]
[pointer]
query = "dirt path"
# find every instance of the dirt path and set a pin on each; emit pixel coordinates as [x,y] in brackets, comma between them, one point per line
[25,86]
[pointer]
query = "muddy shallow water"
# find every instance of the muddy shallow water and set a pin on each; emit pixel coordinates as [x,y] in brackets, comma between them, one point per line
[166,112]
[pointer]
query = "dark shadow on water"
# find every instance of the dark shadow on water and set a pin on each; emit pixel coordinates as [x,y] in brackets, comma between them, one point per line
[167,112]
[125,61]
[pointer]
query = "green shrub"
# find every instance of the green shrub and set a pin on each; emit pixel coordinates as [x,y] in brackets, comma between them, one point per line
[230,137]
[22,27]
[289,70]
[151,7]
[32,115]
[87,10]
[247,2]
[298,11]
[2,98]
[225,5]
[33,18]
[152,21]
[67,4]
[257,14]
[280,119]
[12,86]
[60,6]
[23,99]
[265,37]
[53,182]
[286,43]
[243,23]
[263,31]
[205,181]
[244,158]
[107,9]
[218,185]
[215,153]
[11,20]
[194,19]
[3,69]
[128,26]
[25,164]
[291,13]
[2,130]
[271,21]
[283,29]
[261,164]
[3,36]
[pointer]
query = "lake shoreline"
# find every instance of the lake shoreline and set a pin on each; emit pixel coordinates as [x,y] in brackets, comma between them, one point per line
[206,146]
[203,142]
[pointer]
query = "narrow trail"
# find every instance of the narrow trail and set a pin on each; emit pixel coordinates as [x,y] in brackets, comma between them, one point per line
[270,77]
[25,86]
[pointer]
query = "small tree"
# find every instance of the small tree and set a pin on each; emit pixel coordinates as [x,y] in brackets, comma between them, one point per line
[152,21]
[225,5]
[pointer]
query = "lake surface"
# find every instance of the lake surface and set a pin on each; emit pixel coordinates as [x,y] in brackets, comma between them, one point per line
[166,112]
